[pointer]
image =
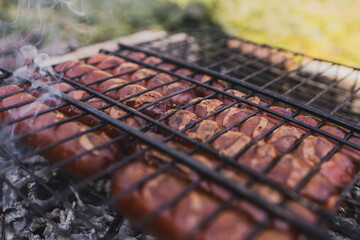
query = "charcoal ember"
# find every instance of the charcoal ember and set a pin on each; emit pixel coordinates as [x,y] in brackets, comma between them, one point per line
[14,220]
[355,193]
[145,237]
[124,231]
[81,215]
[347,218]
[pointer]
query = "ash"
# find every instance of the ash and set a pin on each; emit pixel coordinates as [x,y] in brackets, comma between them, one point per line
[347,219]
[31,211]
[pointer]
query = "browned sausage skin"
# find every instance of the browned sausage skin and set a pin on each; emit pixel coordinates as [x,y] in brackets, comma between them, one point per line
[94,161]
[153,60]
[228,100]
[125,69]
[96,58]
[205,79]
[205,107]
[67,65]
[183,215]
[107,64]
[126,91]
[79,70]
[155,158]
[94,102]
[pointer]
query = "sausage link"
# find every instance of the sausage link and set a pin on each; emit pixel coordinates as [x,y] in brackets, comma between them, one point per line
[96,58]
[124,68]
[156,158]
[182,216]
[155,110]
[205,79]
[67,65]
[83,166]
[94,102]
[109,63]
[79,70]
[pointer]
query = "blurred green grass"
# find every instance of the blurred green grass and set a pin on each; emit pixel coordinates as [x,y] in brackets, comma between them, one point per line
[326,29]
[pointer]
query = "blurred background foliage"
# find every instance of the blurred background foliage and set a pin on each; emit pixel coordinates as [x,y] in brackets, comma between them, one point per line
[321,28]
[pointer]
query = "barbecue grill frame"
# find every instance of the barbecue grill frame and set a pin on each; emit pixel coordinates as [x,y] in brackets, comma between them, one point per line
[185,159]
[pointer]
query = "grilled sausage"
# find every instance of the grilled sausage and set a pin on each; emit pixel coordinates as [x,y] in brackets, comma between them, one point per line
[202,78]
[230,143]
[183,72]
[94,102]
[309,120]
[136,55]
[231,116]
[228,100]
[166,66]
[70,110]
[143,73]
[83,166]
[155,158]
[205,107]
[351,152]
[257,126]
[319,189]
[95,76]
[334,130]
[179,99]
[96,58]
[339,170]
[284,137]
[312,149]
[180,119]
[182,216]
[283,110]
[152,60]
[290,170]
[79,70]
[67,65]
[122,92]
[125,69]
[109,63]
[159,79]
[258,156]
[204,130]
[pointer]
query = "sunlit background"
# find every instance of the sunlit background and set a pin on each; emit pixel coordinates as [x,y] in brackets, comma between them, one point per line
[326,29]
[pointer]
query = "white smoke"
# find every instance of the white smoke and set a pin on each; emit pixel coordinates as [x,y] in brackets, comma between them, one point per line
[30,60]
[41,24]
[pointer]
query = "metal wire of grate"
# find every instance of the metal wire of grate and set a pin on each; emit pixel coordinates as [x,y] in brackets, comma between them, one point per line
[327,86]
[180,158]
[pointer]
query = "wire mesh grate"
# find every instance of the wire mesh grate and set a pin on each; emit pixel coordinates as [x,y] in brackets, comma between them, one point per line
[328,86]
[148,141]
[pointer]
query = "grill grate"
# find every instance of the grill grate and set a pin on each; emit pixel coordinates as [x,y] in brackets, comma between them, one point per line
[327,86]
[274,211]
